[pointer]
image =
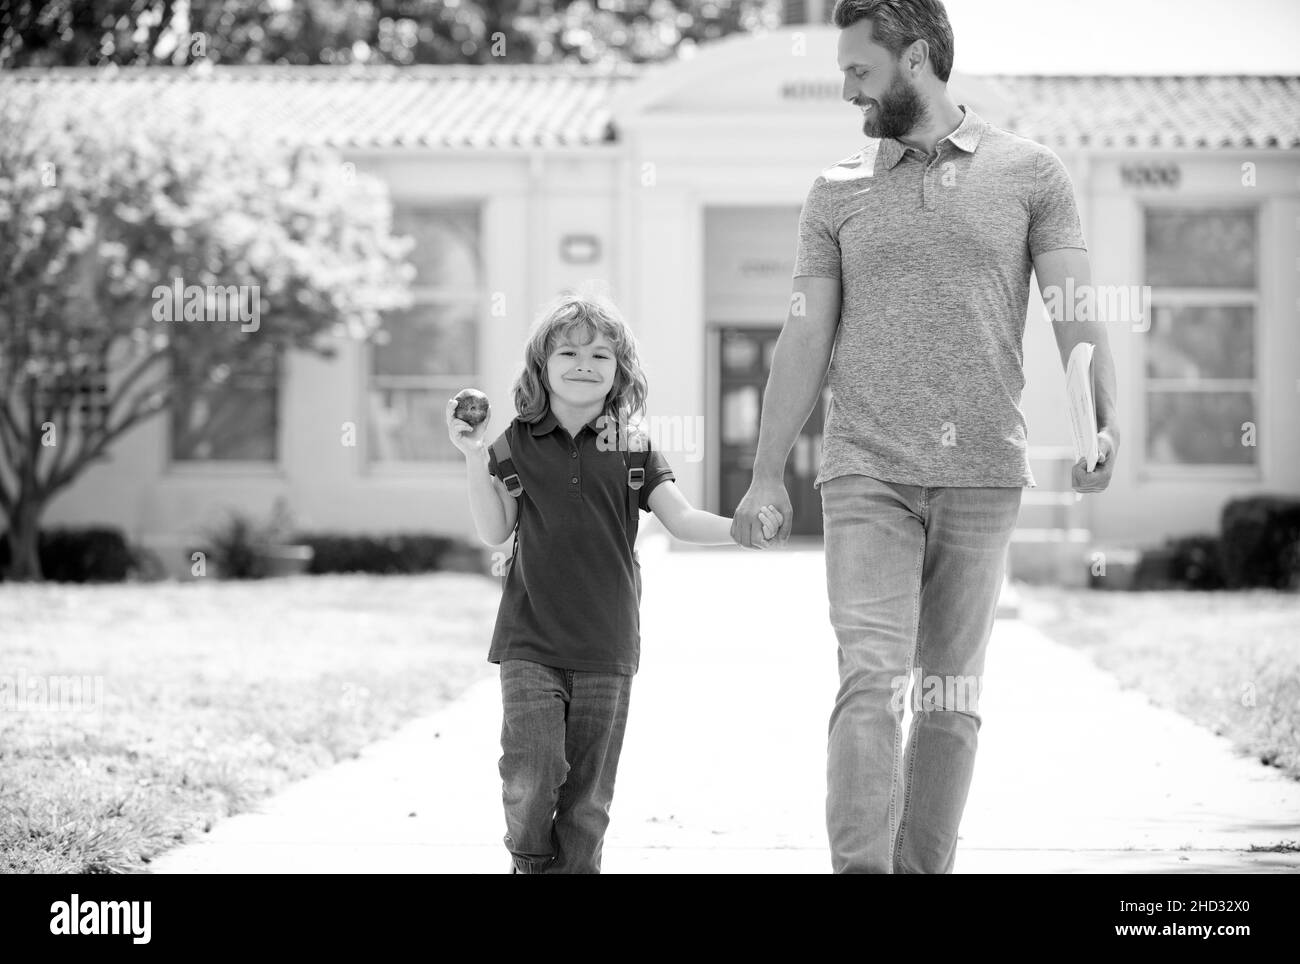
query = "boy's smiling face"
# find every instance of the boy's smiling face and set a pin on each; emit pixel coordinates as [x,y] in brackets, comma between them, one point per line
[581,375]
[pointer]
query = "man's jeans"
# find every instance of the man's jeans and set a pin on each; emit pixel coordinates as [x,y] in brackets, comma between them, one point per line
[913,576]
[561,737]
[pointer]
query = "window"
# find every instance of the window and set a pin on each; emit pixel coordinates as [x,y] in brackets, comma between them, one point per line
[428,352]
[232,415]
[1200,371]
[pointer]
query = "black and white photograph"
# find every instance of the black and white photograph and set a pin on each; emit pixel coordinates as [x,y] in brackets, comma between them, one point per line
[654,437]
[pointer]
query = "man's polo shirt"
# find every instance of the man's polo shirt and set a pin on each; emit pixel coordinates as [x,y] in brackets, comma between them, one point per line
[934,255]
[572,597]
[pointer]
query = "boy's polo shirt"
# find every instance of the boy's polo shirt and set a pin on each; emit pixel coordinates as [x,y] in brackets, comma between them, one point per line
[572,596]
[934,255]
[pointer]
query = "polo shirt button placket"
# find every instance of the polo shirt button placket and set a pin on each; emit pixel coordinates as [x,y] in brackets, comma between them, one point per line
[927,188]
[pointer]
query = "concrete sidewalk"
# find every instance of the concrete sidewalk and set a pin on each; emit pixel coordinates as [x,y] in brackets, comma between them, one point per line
[723,769]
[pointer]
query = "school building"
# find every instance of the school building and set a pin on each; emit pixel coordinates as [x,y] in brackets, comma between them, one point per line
[680,186]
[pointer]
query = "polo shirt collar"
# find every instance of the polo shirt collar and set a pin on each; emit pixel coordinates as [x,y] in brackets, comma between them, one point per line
[966,137]
[549,423]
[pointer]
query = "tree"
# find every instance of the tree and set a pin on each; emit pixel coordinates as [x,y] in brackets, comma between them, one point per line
[101,224]
[99,32]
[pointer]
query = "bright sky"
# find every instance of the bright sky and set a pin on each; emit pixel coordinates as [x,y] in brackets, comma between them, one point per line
[1126,36]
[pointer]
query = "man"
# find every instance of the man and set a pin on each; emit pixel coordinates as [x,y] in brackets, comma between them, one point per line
[913,263]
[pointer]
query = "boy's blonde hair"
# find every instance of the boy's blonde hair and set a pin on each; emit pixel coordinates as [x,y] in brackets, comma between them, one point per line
[580,315]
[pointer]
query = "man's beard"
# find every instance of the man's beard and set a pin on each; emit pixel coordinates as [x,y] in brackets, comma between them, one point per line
[897,113]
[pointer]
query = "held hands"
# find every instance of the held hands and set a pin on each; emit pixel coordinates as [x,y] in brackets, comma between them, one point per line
[765,507]
[768,520]
[771,520]
[467,438]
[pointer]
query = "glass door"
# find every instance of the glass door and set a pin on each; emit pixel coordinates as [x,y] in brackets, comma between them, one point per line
[745,358]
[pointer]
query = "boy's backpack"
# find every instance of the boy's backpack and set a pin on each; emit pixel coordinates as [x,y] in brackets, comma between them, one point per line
[635,480]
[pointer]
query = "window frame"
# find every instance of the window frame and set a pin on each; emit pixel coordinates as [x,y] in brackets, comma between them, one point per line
[1168,296]
[424,295]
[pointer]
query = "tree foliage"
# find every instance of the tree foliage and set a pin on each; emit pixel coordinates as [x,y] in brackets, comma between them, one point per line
[99,32]
[98,221]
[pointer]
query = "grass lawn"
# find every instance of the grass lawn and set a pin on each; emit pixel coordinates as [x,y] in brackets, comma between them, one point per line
[214,695]
[1228,660]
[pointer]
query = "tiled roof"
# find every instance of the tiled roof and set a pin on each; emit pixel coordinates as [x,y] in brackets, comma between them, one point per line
[559,106]
[420,106]
[1154,112]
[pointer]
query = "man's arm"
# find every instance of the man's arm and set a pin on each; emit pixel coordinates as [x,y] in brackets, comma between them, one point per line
[1072,323]
[799,363]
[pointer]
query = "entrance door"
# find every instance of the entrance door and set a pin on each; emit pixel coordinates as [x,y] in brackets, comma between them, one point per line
[745,358]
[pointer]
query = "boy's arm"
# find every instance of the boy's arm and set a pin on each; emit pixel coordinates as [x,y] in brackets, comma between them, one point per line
[687,523]
[491,505]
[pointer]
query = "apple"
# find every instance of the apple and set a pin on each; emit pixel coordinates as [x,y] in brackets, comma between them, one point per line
[471,407]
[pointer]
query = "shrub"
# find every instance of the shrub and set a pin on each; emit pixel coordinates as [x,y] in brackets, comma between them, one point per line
[233,546]
[1195,561]
[80,554]
[1155,569]
[1261,542]
[386,554]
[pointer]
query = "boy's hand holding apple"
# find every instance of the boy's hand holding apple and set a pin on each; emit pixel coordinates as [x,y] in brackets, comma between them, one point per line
[467,418]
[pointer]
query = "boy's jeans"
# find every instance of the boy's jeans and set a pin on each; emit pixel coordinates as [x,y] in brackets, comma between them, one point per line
[913,576]
[561,736]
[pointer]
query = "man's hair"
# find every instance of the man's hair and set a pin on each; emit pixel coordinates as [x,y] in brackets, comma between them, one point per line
[896,24]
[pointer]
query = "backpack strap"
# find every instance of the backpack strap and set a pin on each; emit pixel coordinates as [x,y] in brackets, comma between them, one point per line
[635,459]
[510,479]
[506,467]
